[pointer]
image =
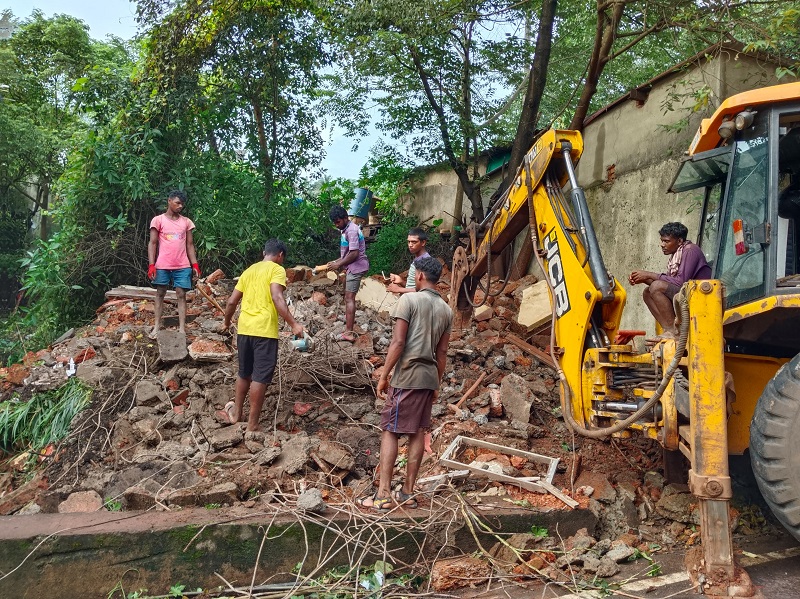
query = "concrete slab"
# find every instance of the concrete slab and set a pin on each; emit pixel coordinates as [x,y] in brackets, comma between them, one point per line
[41,554]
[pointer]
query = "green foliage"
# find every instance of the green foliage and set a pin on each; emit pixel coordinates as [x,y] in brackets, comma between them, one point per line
[388,252]
[213,506]
[112,505]
[653,568]
[44,418]
[540,532]
[176,590]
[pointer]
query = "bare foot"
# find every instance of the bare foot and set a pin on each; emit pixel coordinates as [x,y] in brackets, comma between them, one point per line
[153,334]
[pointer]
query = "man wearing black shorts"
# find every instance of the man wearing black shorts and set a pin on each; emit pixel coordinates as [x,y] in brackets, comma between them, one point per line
[418,354]
[260,290]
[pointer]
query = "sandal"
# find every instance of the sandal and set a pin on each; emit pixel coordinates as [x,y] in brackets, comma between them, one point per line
[224,415]
[405,499]
[382,504]
[348,336]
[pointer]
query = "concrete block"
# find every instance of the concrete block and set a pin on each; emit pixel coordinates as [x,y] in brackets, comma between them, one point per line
[226,437]
[517,398]
[484,312]
[534,309]
[373,294]
[171,346]
[206,350]
[150,394]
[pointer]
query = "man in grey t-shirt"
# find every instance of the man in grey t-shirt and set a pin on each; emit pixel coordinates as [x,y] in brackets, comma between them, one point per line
[417,240]
[418,355]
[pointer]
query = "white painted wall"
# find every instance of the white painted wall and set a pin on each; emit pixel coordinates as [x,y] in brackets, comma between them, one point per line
[645,148]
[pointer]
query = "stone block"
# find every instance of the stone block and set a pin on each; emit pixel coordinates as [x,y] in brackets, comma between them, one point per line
[220,494]
[336,455]
[603,490]
[227,437]
[482,313]
[171,346]
[150,394]
[517,397]
[81,502]
[373,294]
[534,309]
[459,572]
[138,498]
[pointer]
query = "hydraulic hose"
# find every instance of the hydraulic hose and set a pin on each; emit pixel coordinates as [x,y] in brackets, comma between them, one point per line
[682,310]
[681,306]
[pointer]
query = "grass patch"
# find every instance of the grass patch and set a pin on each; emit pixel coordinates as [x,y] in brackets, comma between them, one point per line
[43,419]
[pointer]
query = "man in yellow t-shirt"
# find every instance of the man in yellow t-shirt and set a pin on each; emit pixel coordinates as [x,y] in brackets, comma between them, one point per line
[260,290]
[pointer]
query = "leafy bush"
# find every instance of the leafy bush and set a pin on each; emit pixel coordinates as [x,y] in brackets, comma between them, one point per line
[45,418]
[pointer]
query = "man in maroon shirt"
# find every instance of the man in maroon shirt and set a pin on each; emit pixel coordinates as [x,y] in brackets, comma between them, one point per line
[686,261]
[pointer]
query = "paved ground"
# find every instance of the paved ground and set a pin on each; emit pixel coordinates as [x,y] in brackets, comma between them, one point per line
[772,561]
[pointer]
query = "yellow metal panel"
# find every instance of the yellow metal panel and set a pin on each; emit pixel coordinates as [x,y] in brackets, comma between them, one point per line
[760,306]
[707,412]
[750,375]
[707,137]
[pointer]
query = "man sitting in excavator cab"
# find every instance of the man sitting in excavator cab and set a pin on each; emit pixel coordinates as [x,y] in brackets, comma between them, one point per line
[686,261]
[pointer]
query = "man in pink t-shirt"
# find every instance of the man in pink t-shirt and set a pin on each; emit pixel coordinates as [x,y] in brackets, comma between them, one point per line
[171,257]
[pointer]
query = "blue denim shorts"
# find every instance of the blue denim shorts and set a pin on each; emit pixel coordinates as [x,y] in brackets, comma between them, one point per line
[180,277]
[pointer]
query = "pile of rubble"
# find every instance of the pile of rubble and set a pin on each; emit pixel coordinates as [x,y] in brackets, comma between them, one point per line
[150,439]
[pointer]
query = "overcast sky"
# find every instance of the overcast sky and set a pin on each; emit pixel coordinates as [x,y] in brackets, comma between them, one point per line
[117,17]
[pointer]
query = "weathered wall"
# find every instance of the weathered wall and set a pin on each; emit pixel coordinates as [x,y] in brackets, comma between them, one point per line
[644,144]
[435,195]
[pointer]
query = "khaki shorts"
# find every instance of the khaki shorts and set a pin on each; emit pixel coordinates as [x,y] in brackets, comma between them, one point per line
[353,281]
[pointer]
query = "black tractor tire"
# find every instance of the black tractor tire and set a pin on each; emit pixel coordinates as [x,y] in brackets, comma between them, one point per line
[775,445]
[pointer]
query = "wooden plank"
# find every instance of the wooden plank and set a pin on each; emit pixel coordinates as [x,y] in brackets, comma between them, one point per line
[556,493]
[132,292]
[534,351]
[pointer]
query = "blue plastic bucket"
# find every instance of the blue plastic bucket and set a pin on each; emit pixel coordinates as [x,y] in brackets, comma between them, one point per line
[361,203]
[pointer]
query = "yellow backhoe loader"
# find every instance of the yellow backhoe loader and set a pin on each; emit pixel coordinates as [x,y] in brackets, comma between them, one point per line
[743,170]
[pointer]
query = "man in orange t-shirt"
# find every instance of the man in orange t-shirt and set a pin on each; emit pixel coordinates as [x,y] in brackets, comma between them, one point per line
[172,260]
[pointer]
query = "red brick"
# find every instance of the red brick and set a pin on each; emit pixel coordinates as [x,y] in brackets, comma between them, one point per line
[215,276]
[84,354]
[17,373]
[320,298]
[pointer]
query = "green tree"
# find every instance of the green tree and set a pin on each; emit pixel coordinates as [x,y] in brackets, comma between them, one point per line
[245,73]
[439,71]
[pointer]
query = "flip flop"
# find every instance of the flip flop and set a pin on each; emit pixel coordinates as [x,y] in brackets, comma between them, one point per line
[348,336]
[381,504]
[405,499]
[224,415]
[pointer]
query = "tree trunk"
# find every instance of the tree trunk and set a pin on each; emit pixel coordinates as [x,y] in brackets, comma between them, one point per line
[263,148]
[472,191]
[526,128]
[605,35]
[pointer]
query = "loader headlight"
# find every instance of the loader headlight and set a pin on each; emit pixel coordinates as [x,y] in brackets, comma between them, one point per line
[744,119]
[726,129]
